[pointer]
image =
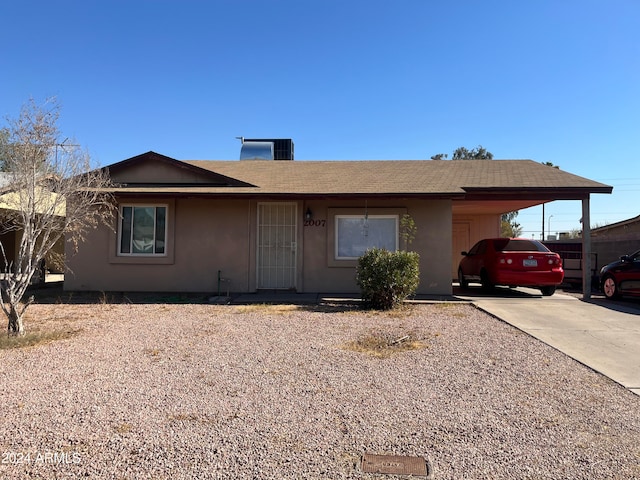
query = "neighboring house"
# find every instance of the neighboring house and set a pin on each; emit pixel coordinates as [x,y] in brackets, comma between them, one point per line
[623,230]
[7,235]
[300,225]
[11,201]
[608,243]
[612,241]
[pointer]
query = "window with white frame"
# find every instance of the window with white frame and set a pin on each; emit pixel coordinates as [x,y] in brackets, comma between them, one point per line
[143,230]
[356,234]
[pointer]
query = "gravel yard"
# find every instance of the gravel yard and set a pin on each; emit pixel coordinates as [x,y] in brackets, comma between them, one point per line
[184,391]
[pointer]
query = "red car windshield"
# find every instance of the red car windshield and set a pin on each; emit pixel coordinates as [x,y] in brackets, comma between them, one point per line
[520,245]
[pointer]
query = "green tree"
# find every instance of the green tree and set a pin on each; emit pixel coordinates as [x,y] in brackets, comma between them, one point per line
[463,153]
[408,230]
[478,153]
[508,226]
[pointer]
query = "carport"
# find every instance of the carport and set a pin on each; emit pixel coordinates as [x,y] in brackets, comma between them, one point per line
[505,186]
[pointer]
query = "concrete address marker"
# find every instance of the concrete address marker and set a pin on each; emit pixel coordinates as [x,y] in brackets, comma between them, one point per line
[396,465]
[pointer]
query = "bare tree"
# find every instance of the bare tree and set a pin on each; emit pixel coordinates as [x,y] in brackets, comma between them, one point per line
[50,193]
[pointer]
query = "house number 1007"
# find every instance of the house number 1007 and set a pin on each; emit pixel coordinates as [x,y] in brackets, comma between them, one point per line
[315,223]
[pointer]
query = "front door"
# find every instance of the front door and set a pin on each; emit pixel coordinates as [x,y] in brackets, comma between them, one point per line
[277,245]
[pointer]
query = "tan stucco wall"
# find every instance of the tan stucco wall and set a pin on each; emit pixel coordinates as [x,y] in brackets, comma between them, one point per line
[212,235]
[208,236]
[433,242]
[610,243]
[629,231]
[155,172]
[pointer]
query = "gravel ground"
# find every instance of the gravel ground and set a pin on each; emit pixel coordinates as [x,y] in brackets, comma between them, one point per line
[201,391]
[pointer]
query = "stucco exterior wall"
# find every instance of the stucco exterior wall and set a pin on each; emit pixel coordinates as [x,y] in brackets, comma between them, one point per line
[608,250]
[204,236]
[433,242]
[152,172]
[610,243]
[207,235]
[627,231]
[322,272]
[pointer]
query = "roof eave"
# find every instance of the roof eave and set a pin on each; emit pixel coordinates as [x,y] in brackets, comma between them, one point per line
[246,193]
[556,193]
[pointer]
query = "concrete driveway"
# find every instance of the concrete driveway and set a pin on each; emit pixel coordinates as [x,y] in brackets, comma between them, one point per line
[601,334]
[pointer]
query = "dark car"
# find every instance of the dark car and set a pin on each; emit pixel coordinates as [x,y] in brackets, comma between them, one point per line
[621,277]
[512,262]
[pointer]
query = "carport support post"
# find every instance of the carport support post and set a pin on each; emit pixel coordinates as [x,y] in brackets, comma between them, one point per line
[586,250]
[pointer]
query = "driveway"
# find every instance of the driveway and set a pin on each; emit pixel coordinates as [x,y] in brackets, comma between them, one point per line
[601,334]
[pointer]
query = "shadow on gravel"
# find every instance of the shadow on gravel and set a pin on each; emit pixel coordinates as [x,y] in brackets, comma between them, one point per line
[51,294]
[55,294]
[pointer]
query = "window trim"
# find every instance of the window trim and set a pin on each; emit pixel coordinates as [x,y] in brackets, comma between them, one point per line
[133,206]
[358,211]
[146,259]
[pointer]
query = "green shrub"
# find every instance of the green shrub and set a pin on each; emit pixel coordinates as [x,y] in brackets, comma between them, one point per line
[387,278]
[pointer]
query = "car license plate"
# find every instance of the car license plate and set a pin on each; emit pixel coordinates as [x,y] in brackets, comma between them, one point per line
[530,262]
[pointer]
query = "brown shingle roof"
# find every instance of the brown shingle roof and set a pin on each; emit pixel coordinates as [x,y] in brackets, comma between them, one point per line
[399,176]
[154,173]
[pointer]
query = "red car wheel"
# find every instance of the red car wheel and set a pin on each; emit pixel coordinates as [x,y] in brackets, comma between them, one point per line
[548,290]
[484,280]
[609,287]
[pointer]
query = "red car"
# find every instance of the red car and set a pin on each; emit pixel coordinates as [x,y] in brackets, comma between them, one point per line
[513,262]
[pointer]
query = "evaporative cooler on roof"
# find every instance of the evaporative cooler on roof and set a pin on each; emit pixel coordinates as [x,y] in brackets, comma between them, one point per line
[266,149]
[256,151]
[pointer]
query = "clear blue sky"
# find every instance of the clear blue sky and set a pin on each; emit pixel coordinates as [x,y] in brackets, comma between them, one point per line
[549,80]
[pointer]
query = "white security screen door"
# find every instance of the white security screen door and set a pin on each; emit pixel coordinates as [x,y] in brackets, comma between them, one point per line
[277,245]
